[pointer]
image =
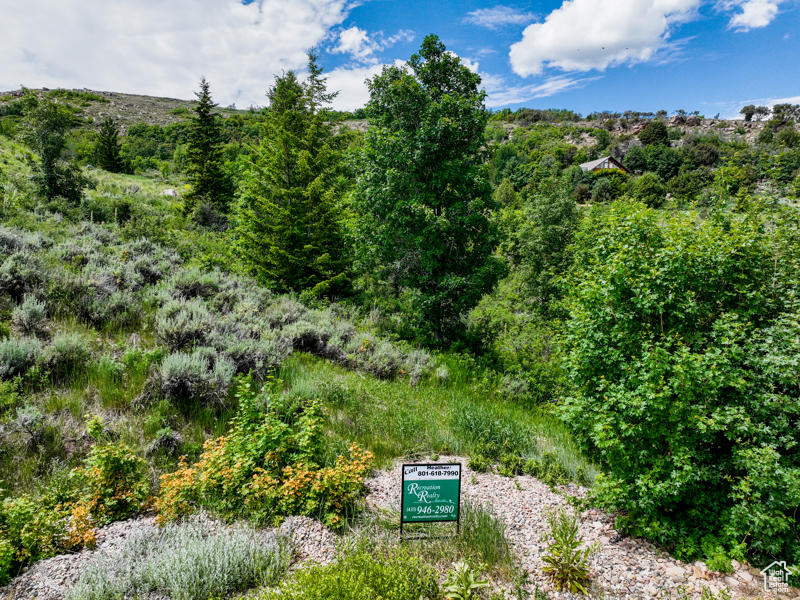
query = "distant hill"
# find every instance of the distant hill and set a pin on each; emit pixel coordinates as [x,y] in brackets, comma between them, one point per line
[125,108]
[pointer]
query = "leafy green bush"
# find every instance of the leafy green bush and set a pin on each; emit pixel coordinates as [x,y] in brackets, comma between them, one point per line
[269,464]
[6,560]
[185,561]
[682,338]
[363,572]
[116,482]
[566,561]
[30,316]
[17,355]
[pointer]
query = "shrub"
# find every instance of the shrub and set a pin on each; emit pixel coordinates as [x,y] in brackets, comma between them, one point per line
[654,133]
[682,333]
[182,324]
[649,189]
[200,376]
[195,283]
[67,357]
[116,482]
[30,317]
[267,465]
[363,572]
[566,562]
[33,530]
[185,561]
[258,357]
[6,560]
[21,273]
[17,355]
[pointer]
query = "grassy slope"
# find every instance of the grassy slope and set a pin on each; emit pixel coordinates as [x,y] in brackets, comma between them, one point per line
[392,418]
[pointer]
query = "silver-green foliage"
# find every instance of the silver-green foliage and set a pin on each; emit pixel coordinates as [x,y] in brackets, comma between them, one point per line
[192,560]
[17,355]
[30,316]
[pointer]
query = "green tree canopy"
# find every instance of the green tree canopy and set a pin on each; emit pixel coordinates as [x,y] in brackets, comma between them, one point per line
[682,343]
[108,149]
[422,194]
[289,221]
[45,129]
[210,186]
[654,133]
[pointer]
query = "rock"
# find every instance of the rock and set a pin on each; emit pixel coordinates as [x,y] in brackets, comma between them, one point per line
[676,573]
[170,192]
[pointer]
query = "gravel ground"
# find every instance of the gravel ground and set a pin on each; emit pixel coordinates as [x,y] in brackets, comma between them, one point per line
[623,568]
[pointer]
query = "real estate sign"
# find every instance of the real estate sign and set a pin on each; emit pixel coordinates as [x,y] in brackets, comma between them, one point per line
[430,493]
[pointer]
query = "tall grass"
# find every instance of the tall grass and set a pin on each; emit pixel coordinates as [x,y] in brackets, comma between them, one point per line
[460,415]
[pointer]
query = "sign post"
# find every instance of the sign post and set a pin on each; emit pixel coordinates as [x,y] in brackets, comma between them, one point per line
[431,493]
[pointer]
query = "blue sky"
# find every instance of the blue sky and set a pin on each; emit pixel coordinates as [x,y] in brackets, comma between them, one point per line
[585,55]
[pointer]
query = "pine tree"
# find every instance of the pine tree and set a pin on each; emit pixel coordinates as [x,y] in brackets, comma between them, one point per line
[108,149]
[288,219]
[316,85]
[210,186]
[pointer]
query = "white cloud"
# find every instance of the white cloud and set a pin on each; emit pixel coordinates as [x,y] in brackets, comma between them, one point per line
[362,47]
[500,94]
[357,43]
[497,17]
[582,35]
[730,110]
[751,14]
[351,83]
[161,48]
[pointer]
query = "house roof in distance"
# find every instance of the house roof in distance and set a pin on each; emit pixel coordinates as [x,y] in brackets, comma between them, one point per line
[605,162]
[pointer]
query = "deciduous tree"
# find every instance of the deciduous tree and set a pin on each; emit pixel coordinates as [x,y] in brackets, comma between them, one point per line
[422,195]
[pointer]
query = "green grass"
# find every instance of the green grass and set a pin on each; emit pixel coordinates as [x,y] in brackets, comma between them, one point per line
[461,415]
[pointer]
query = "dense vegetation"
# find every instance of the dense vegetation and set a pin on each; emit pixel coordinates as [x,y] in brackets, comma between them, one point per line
[315,301]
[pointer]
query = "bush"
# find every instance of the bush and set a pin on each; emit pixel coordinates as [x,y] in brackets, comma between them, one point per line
[17,355]
[21,273]
[202,377]
[66,358]
[195,283]
[116,482]
[682,333]
[269,464]
[649,189]
[185,561]
[654,133]
[6,560]
[182,324]
[33,530]
[30,317]
[364,572]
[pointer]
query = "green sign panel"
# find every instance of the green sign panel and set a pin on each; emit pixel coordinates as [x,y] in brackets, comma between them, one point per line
[430,493]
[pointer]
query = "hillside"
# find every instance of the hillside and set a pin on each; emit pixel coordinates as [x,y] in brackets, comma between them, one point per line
[128,109]
[220,339]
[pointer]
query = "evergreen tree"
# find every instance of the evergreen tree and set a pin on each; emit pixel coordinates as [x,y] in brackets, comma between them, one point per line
[423,194]
[210,186]
[45,129]
[107,149]
[288,219]
[316,85]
